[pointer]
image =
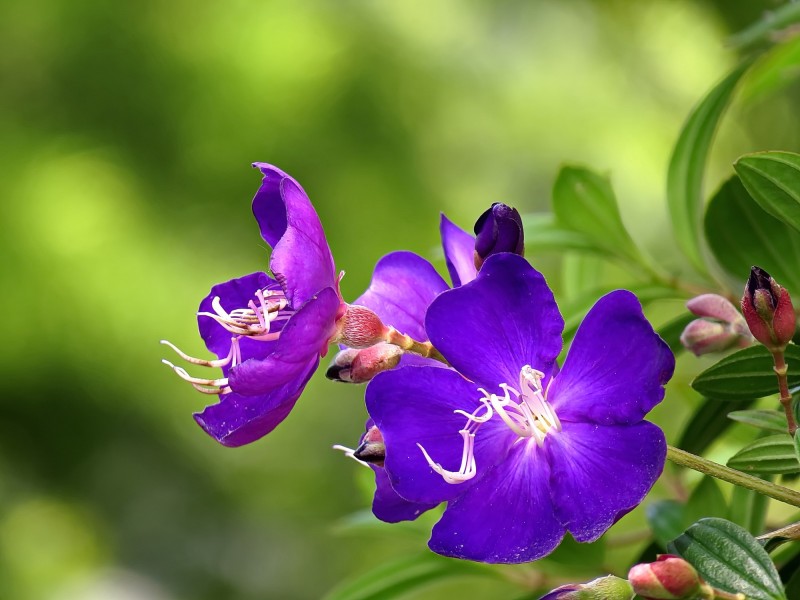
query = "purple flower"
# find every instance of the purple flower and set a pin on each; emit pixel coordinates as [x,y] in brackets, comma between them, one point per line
[522,454]
[269,334]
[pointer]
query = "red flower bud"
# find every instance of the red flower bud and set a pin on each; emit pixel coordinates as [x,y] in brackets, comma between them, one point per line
[669,578]
[768,310]
[721,328]
[359,366]
[359,327]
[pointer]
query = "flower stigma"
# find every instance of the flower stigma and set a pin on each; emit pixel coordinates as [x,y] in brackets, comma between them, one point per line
[261,321]
[525,411]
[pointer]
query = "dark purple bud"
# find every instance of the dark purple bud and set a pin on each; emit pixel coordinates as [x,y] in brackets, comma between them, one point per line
[604,588]
[499,229]
[768,310]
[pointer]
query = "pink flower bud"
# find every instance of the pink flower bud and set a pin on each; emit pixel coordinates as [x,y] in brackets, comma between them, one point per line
[721,328]
[359,327]
[359,366]
[669,578]
[702,336]
[768,310]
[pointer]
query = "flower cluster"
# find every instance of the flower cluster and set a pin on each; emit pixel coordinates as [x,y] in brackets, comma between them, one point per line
[467,403]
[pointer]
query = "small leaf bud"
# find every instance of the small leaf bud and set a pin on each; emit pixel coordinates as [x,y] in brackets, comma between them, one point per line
[669,578]
[603,588]
[499,229]
[768,310]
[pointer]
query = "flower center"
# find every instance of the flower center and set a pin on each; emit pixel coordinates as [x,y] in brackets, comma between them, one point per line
[262,321]
[525,411]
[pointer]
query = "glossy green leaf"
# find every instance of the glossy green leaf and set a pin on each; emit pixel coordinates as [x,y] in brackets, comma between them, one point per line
[397,578]
[687,166]
[584,201]
[768,420]
[666,520]
[730,559]
[542,234]
[741,234]
[771,455]
[671,331]
[747,373]
[773,180]
[708,422]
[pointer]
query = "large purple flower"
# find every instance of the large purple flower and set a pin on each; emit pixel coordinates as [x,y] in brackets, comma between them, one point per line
[520,454]
[269,334]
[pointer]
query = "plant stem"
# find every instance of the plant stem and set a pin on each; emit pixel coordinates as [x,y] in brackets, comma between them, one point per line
[719,594]
[409,344]
[781,369]
[702,465]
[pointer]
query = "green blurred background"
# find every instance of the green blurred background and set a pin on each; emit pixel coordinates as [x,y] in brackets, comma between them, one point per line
[126,135]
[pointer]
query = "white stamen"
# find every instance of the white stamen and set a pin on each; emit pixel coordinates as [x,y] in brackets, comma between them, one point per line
[528,415]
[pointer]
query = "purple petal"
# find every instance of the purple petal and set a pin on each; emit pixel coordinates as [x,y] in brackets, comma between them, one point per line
[303,339]
[616,366]
[301,259]
[402,287]
[599,473]
[459,251]
[388,506]
[414,405]
[234,294]
[238,420]
[507,517]
[503,320]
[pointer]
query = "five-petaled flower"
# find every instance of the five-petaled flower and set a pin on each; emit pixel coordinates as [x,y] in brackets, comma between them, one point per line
[269,334]
[521,451]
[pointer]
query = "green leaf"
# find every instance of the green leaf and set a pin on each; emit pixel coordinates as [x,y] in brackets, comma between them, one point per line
[768,420]
[796,444]
[748,509]
[394,579]
[747,373]
[773,72]
[730,559]
[764,31]
[687,165]
[671,331]
[708,422]
[771,455]
[542,234]
[666,519]
[741,234]
[773,180]
[584,201]
[706,500]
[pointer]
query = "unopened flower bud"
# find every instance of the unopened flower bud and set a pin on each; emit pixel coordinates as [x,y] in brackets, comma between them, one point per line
[604,588]
[669,578]
[372,449]
[359,327]
[721,328]
[359,366]
[499,229]
[768,310]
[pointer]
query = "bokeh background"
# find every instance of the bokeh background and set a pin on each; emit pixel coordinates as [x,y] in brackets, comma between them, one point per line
[126,135]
